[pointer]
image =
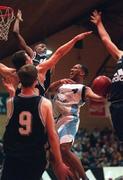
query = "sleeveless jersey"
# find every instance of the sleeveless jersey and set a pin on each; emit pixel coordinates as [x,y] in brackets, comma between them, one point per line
[25,134]
[69,99]
[116,91]
[38,59]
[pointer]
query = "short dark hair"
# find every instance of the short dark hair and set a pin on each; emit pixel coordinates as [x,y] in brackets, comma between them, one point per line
[85,69]
[43,44]
[19,59]
[27,75]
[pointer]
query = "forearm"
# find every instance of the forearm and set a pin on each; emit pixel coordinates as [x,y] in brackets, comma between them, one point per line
[20,39]
[64,49]
[111,47]
[102,31]
[4,70]
[55,148]
[97,98]
[16,26]
[59,53]
[92,96]
[54,86]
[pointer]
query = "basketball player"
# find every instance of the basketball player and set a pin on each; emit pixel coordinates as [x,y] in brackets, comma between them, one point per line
[67,100]
[21,57]
[30,125]
[116,92]
[39,54]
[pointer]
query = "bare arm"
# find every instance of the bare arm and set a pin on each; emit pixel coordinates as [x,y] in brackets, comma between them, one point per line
[6,71]
[50,127]
[111,47]
[9,87]
[20,39]
[92,96]
[62,169]
[10,108]
[60,52]
[55,85]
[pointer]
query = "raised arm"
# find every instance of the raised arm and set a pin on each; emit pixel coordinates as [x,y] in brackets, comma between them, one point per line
[20,39]
[111,47]
[6,71]
[59,53]
[47,113]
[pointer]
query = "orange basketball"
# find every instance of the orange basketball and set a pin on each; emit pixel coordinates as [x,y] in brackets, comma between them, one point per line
[101,85]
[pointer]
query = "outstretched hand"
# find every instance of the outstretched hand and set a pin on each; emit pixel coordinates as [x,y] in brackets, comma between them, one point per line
[83,35]
[96,17]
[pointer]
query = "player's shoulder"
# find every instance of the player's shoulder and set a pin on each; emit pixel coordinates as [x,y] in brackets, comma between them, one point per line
[46,102]
[10,100]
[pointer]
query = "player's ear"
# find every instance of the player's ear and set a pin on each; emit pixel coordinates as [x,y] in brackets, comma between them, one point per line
[82,73]
[36,82]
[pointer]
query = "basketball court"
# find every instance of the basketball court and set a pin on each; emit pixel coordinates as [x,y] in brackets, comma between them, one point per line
[54,23]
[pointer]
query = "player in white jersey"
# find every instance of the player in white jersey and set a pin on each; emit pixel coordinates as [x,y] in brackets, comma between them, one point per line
[68,98]
[68,101]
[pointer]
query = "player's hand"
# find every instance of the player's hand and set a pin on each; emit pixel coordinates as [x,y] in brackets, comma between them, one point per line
[9,86]
[63,172]
[19,15]
[83,35]
[66,81]
[96,17]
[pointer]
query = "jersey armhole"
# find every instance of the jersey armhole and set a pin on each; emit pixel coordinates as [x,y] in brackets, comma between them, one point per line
[11,110]
[83,93]
[40,111]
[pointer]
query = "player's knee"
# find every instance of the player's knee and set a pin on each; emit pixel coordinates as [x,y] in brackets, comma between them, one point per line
[65,148]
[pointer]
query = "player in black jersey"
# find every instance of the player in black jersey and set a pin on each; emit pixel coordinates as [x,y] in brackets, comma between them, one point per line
[21,57]
[38,53]
[116,92]
[30,125]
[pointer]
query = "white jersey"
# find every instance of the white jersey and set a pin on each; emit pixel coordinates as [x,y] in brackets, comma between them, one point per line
[66,104]
[69,99]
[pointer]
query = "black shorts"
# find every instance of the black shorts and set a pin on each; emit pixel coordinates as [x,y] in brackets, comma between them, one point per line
[116,110]
[20,169]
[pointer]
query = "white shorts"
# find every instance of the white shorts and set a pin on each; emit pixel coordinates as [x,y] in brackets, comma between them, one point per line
[67,128]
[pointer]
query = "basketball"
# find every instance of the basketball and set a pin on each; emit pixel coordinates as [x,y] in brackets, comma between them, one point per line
[101,85]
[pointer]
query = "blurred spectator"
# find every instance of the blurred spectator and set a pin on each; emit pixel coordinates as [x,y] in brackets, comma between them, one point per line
[98,148]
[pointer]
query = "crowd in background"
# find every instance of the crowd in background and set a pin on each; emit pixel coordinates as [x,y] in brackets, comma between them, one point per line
[95,149]
[98,148]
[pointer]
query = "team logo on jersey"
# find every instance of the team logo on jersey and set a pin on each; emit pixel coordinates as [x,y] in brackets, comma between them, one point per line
[118,76]
[75,90]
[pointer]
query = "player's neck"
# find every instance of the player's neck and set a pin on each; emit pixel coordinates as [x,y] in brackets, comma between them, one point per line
[79,80]
[28,91]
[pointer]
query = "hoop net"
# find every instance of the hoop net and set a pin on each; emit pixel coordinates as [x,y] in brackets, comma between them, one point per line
[6,17]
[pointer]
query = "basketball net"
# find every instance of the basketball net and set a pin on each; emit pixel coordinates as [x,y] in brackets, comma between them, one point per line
[6,17]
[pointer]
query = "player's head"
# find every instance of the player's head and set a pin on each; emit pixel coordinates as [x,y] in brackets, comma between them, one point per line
[27,75]
[78,71]
[20,58]
[40,48]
